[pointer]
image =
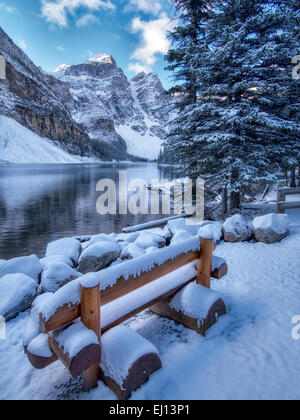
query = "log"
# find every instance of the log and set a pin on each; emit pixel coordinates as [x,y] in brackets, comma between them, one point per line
[217,310]
[138,375]
[90,317]
[37,356]
[128,360]
[83,359]
[220,272]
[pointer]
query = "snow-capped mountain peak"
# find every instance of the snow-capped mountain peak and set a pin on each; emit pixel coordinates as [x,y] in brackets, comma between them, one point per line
[101,58]
[62,67]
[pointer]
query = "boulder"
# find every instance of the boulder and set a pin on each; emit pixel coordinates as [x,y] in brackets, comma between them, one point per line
[30,266]
[67,246]
[56,259]
[57,275]
[149,239]
[100,238]
[237,229]
[98,256]
[132,251]
[17,292]
[271,228]
[180,236]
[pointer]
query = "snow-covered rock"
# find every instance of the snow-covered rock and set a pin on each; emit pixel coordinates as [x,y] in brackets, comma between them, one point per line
[181,235]
[148,239]
[56,259]
[271,228]
[66,246]
[182,224]
[32,328]
[132,251]
[29,266]
[100,238]
[55,275]
[17,292]
[98,256]
[237,229]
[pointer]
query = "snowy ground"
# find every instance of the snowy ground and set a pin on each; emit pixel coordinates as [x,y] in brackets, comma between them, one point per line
[20,145]
[249,354]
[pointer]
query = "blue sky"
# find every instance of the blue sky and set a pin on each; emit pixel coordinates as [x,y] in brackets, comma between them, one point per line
[55,32]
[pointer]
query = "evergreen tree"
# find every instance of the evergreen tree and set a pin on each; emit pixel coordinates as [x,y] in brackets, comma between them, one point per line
[243,127]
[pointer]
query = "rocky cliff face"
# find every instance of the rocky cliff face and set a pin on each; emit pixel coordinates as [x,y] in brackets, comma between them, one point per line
[26,97]
[110,107]
[90,108]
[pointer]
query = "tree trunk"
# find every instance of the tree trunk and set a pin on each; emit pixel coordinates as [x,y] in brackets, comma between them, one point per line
[298,183]
[235,200]
[293,178]
[225,200]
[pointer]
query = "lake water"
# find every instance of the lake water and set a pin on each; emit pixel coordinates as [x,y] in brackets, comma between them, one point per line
[42,203]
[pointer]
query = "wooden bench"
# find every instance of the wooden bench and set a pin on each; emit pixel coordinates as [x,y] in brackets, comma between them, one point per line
[106,299]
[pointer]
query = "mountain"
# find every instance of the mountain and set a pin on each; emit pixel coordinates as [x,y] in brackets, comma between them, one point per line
[90,109]
[100,98]
[26,97]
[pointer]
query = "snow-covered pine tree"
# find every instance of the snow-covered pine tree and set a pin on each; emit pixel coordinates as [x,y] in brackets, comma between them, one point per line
[186,35]
[239,132]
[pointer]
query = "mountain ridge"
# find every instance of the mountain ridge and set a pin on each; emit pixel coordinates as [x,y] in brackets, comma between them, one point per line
[90,109]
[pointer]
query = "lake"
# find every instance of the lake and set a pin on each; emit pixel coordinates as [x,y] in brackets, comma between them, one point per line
[42,203]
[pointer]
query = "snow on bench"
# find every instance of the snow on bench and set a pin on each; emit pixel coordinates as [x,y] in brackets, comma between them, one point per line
[109,297]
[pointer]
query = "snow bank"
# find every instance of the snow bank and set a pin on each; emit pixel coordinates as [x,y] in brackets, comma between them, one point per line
[194,301]
[147,146]
[75,338]
[20,145]
[30,266]
[121,348]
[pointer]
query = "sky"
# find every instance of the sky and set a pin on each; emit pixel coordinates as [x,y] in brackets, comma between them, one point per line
[55,32]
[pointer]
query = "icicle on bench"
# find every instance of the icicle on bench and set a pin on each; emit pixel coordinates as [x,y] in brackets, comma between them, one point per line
[173,282]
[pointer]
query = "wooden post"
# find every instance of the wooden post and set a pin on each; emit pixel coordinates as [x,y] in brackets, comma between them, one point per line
[205,263]
[90,317]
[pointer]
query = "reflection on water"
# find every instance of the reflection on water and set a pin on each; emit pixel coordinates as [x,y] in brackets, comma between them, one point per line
[41,203]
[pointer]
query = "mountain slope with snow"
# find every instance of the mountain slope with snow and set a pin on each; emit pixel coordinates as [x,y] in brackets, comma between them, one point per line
[20,145]
[100,98]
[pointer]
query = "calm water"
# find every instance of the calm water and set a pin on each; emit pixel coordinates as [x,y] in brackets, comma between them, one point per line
[42,203]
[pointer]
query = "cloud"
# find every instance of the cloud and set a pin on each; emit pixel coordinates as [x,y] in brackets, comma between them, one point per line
[87,19]
[7,8]
[147,6]
[23,44]
[153,41]
[56,11]
[60,48]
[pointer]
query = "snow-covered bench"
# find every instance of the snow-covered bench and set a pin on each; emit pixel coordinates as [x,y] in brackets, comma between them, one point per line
[67,325]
